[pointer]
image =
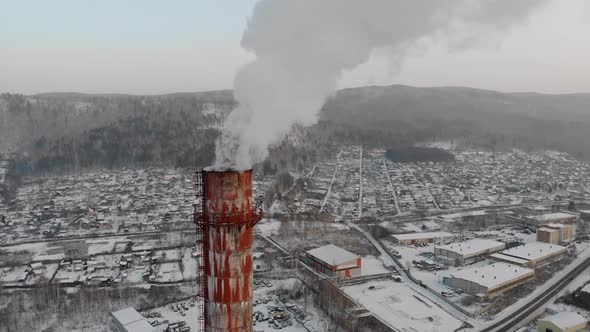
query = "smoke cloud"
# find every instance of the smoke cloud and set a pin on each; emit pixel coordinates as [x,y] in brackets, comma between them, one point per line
[302,48]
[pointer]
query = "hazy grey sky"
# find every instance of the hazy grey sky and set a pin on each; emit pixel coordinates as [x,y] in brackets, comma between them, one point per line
[149,47]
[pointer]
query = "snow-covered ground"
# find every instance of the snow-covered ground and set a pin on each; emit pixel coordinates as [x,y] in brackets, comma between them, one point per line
[168,272]
[372,265]
[268,227]
[100,246]
[189,264]
[315,320]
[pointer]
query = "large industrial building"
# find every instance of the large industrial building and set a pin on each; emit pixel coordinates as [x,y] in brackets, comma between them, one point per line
[418,238]
[556,233]
[129,320]
[491,280]
[467,252]
[551,218]
[334,261]
[532,254]
[566,321]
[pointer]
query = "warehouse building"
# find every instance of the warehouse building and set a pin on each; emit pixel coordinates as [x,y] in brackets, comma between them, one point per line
[557,233]
[552,218]
[491,280]
[532,254]
[548,235]
[566,321]
[334,261]
[419,238]
[129,320]
[467,252]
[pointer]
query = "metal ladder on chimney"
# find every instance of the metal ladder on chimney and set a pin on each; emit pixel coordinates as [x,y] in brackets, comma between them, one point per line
[199,250]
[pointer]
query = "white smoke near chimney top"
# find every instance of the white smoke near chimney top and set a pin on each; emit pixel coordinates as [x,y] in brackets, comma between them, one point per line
[302,48]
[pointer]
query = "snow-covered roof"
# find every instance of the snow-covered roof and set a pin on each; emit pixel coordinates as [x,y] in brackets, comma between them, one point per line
[552,216]
[127,316]
[493,275]
[511,259]
[422,236]
[37,265]
[543,229]
[139,326]
[554,225]
[465,214]
[534,250]
[473,247]
[332,255]
[565,319]
[539,208]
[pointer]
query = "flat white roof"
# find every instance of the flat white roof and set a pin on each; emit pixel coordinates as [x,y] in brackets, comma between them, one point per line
[565,319]
[539,208]
[548,230]
[534,250]
[127,316]
[422,236]
[493,275]
[332,255]
[139,326]
[473,247]
[514,260]
[465,214]
[552,216]
[556,225]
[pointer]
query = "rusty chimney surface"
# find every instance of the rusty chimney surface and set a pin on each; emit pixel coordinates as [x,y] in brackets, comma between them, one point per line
[226,215]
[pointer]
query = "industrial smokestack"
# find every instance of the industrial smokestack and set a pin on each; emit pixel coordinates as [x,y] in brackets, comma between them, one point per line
[225,217]
[302,47]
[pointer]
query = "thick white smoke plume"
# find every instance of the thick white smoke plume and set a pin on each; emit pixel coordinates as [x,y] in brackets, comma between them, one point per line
[303,46]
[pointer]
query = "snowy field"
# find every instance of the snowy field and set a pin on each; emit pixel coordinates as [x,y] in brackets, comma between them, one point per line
[168,272]
[268,227]
[101,246]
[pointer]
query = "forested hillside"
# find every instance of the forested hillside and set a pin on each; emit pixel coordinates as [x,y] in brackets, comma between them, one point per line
[69,131]
[488,119]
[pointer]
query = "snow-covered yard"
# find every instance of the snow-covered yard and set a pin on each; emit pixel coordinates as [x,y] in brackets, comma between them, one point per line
[372,265]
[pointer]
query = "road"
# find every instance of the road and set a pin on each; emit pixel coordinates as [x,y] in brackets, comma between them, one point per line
[331,182]
[360,214]
[94,236]
[395,201]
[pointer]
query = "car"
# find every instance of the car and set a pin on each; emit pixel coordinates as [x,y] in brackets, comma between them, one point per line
[447,293]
